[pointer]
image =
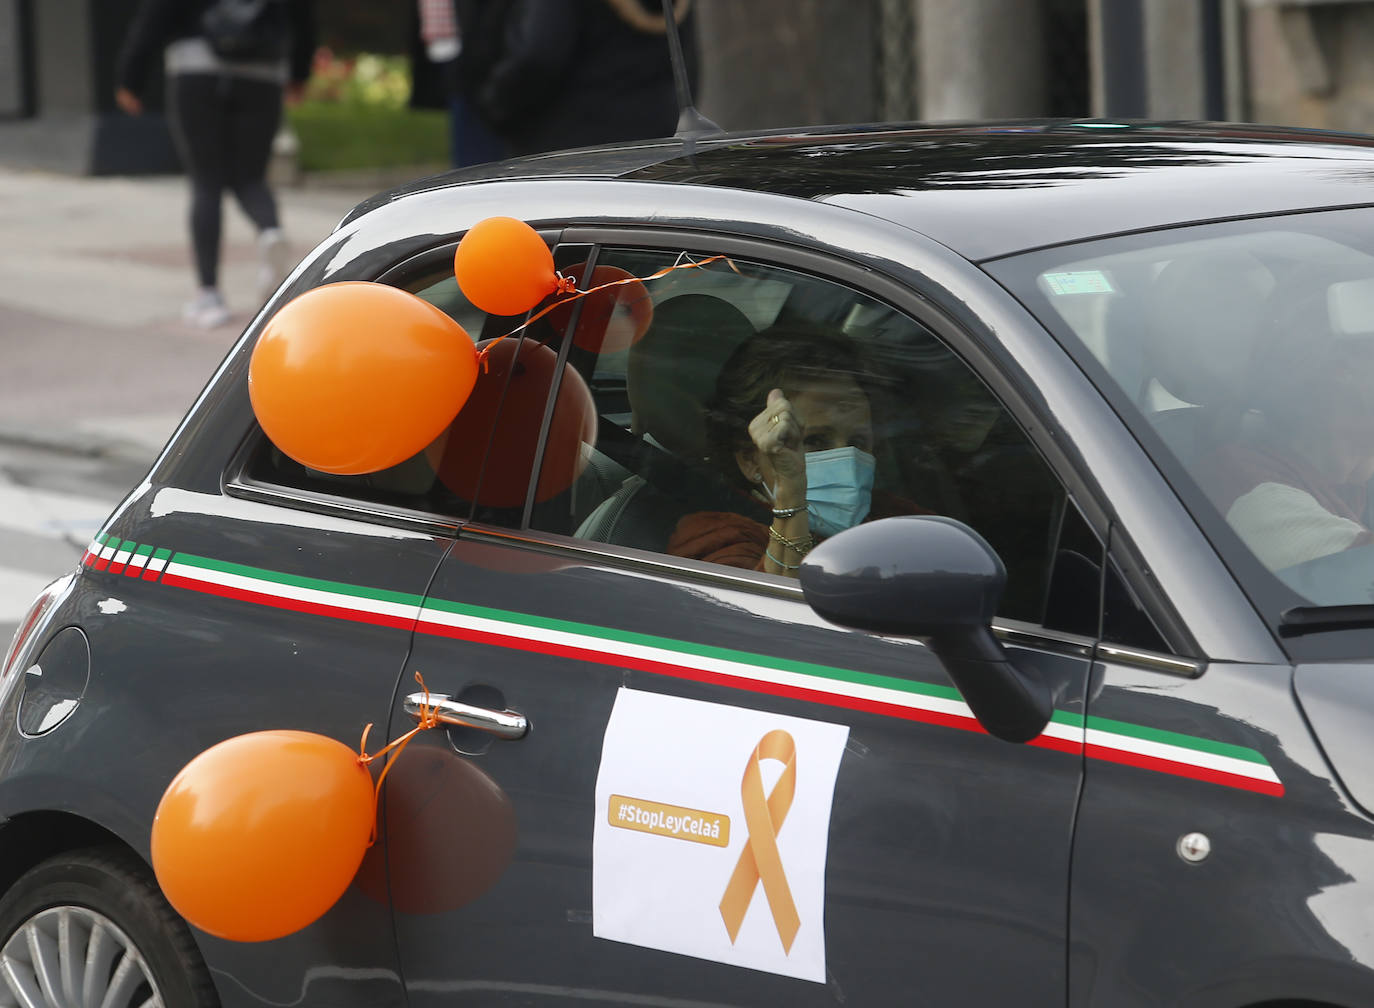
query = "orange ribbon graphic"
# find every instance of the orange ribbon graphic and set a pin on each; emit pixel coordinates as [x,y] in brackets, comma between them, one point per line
[760,861]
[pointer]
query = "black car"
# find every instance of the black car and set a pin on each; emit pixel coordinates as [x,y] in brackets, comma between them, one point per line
[937,571]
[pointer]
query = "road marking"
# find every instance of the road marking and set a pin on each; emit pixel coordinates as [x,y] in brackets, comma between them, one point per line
[18,589]
[50,513]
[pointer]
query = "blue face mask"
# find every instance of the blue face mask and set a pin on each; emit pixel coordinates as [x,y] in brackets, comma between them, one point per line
[839,488]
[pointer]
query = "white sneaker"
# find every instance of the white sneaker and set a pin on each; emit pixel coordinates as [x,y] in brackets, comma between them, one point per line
[274,261]
[206,310]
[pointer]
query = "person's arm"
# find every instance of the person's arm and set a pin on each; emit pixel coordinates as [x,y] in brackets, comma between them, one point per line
[143,45]
[777,434]
[539,41]
[1284,526]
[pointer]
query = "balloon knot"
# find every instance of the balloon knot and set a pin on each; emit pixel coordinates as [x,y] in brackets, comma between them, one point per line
[565,285]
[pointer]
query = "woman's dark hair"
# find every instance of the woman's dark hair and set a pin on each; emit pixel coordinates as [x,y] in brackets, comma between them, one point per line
[780,356]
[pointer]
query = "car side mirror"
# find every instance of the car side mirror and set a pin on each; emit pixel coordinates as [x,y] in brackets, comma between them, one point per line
[934,578]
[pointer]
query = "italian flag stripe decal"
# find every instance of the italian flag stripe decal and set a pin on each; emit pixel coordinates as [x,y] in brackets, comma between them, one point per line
[930,703]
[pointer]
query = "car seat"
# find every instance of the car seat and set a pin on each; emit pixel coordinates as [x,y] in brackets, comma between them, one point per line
[670,378]
[1205,316]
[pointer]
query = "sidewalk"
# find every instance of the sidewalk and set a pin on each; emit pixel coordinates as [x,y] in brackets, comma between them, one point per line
[93,274]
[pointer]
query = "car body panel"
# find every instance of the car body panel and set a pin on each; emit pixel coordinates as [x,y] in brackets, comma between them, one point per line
[164,593]
[942,839]
[1278,908]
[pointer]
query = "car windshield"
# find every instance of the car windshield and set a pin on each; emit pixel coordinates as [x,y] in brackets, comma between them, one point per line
[1243,355]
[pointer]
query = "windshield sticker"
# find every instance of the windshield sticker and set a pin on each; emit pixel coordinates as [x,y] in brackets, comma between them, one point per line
[748,888]
[1078,282]
[909,699]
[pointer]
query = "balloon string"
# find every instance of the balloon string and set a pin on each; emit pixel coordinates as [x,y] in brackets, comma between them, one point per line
[568,285]
[429,718]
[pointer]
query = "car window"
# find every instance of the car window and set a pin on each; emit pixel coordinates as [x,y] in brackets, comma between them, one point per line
[677,367]
[1248,350]
[452,477]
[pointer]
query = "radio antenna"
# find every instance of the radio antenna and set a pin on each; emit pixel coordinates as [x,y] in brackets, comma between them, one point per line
[691,124]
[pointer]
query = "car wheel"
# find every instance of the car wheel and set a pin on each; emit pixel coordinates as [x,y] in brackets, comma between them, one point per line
[90,927]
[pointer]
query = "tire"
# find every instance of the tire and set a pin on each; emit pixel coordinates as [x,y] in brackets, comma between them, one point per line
[122,937]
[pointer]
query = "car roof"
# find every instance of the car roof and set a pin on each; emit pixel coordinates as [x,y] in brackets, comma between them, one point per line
[992,189]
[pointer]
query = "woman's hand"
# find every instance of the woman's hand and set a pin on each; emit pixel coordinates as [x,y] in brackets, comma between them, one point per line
[777,434]
[128,101]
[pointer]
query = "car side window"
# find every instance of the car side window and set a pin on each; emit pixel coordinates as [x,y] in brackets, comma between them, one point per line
[443,479]
[884,418]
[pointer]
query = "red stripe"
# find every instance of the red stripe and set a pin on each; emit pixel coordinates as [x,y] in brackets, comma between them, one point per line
[101,563]
[133,570]
[150,573]
[295,605]
[1053,742]
[511,642]
[116,568]
[1185,770]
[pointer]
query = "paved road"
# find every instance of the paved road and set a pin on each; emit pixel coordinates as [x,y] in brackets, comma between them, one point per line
[51,504]
[96,365]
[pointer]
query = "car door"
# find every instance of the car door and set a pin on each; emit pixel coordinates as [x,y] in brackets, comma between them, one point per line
[672,779]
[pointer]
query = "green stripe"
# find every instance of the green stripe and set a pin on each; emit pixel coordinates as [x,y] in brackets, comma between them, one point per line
[1175,739]
[518,620]
[144,551]
[162,554]
[377,594]
[697,650]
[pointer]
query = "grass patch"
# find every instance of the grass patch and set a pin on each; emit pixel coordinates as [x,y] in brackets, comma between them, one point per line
[347,136]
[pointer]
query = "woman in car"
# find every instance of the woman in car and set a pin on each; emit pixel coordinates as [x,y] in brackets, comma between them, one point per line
[791,427]
[1300,491]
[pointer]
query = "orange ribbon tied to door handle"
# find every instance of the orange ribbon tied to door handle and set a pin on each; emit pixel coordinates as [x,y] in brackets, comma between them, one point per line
[760,861]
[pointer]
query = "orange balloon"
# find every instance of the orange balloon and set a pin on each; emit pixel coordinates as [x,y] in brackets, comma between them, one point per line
[520,405]
[612,319]
[260,835]
[357,377]
[503,266]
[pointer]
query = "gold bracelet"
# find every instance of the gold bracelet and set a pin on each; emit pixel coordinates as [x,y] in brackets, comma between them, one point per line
[802,544]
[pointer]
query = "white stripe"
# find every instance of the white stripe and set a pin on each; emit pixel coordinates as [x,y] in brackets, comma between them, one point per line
[1071,732]
[138,561]
[721,666]
[1179,754]
[106,552]
[157,564]
[122,557]
[296,592]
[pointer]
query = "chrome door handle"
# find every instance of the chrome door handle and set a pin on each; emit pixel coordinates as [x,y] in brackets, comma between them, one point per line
[506,724]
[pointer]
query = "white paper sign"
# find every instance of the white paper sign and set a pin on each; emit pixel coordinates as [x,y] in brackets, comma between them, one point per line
[711,832]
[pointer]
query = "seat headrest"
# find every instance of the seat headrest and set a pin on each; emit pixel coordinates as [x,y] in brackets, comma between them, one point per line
[1207,313]
[671,371]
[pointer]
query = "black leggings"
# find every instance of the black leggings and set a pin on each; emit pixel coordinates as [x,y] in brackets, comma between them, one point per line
[223,128]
